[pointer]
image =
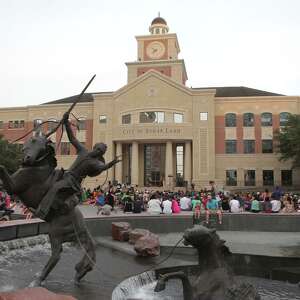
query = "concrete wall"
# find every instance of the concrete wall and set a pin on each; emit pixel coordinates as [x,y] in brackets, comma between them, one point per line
[160,224]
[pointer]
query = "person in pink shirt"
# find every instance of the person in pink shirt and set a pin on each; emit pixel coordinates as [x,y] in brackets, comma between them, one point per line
[175,206]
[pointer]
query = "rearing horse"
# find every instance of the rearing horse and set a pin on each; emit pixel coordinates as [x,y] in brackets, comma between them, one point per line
[30,183]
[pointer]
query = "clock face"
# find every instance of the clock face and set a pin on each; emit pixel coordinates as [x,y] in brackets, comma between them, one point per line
[155,50]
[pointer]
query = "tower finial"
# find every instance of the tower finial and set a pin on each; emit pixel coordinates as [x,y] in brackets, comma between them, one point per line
[159,14]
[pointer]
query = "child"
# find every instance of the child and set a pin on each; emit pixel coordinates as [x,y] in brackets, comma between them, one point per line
[197,211]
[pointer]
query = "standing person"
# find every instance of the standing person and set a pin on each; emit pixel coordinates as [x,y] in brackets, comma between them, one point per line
[87,163]
[100,201]
[110,199]
[212,209]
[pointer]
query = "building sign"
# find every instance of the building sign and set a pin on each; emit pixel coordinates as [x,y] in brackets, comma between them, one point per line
[151,131]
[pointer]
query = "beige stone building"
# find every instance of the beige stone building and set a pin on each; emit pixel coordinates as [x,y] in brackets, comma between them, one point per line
[170,135]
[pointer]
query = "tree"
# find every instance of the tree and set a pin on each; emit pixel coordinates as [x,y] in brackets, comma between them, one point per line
[288,141]
[10,155]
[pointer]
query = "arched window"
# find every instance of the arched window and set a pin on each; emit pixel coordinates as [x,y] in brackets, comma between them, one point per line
[283,117]
[248,120]
[230,120]
[266,119]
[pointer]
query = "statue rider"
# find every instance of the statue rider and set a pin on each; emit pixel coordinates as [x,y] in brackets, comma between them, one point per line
[87,163]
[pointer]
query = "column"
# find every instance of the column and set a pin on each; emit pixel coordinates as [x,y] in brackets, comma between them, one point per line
[118,166]
[169,166]
[135,163]
[187,162]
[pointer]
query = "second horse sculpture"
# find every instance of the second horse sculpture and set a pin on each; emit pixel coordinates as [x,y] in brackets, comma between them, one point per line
[38,178]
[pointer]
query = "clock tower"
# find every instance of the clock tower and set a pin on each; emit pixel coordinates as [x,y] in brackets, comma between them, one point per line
[159,51]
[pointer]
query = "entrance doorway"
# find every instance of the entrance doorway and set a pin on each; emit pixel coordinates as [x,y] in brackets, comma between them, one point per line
[154,164]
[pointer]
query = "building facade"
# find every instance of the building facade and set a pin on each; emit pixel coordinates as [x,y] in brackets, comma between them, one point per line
[170,135]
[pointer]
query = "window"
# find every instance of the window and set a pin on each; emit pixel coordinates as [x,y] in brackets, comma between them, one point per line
[16,124]
[267,146]
[203,116]
[1,124]
[37,123]
[286,177]
[231,177]
[230,120]
[248,120]
[266,119]
[65,148]
[268,177]
[126,119]
[249,146]
[283,117]
[102,119]
[179,165]
[52,124]
[152,117]
[230,146]
[178,118]
[81,124]
[249,177]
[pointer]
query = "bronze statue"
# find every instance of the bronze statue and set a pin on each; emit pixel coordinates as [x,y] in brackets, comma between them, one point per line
[214,280]
[54,194]
[87,163]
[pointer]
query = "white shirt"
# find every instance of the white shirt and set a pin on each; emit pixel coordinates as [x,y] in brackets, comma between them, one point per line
[234,206]
[154,206]
[276,205]
[185,203]
[167,207]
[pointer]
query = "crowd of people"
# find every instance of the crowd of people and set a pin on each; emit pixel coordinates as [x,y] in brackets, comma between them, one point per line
[205,203]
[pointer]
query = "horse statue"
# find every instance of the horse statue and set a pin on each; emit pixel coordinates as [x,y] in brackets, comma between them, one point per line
[66,224]
[214,280]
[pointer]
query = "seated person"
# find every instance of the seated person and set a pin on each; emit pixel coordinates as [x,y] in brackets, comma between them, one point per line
[276,205]
[255,206]
[175,206]
[154,205]
[185,203]
[167,206]
[213,208]
[234,205]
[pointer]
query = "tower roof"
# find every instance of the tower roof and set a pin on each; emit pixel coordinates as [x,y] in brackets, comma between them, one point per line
[159,20]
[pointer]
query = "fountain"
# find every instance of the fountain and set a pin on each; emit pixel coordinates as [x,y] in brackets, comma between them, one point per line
[211,279]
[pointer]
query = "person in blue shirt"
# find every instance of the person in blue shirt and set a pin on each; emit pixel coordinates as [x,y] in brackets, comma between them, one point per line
[213,208]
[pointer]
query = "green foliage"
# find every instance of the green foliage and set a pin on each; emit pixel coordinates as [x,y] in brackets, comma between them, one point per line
[10,155]
[288,140]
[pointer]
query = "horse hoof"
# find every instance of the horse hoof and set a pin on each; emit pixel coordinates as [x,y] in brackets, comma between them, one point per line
[35,283]
[76,280]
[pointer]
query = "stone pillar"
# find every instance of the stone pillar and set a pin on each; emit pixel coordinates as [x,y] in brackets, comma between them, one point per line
[118,166]
[169,166]
[188,162]
[135,163]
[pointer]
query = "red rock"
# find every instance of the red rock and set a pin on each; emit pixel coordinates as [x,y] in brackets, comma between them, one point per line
[36,293]
[147,245]
[120,231]
[137,233]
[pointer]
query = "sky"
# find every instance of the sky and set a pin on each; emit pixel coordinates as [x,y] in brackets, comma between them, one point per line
[49,49]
